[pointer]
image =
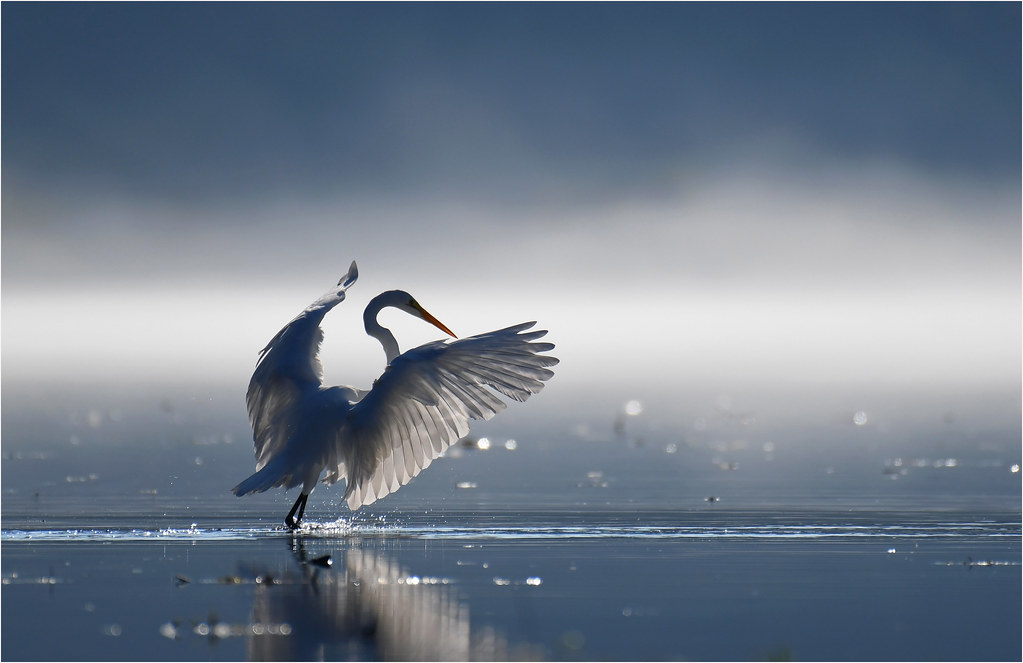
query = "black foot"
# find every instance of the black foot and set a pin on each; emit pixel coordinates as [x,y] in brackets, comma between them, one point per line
[292,520]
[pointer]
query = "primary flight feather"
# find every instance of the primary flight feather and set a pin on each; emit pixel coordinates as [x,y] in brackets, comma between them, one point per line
[377,440]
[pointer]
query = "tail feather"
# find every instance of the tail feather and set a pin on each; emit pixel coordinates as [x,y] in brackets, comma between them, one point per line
[269,477]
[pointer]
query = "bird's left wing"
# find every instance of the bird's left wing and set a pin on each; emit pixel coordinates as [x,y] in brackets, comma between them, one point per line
[287,366]
[424,401]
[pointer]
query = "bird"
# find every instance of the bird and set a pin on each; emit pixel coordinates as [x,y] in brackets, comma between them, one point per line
[377,440]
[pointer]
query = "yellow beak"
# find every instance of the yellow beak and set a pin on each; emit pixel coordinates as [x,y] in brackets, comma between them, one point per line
[432,320]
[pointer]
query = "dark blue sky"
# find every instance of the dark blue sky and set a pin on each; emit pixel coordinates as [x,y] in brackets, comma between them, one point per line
[186,101]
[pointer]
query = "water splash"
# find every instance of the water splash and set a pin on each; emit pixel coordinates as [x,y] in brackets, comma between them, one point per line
[346,528]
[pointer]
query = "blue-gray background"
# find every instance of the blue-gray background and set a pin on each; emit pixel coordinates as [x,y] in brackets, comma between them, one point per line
[809,194]
[777,246]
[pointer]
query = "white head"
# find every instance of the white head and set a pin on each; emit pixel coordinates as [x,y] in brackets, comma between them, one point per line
[401,300]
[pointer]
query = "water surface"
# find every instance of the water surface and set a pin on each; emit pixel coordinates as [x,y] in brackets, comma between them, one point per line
[712,536]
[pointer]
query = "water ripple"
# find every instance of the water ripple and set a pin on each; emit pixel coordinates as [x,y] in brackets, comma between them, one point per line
[343,529]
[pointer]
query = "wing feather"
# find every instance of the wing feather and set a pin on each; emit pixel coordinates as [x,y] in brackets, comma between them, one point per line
[423,404]
[288,367]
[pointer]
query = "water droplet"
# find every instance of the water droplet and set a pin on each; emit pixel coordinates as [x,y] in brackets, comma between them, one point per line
[1014,468]
[483,443]
[511,445]
[633,408]
[860,418]
[534,581]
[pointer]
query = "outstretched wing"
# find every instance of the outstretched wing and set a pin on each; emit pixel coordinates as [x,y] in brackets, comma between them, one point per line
[288,365]
[424,401]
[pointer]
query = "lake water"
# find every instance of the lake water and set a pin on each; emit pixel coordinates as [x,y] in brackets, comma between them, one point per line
[640,531]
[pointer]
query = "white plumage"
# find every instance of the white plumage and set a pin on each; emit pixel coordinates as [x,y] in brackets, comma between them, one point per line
[378,440]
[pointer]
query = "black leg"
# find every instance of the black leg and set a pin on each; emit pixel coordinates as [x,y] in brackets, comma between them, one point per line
[291,520]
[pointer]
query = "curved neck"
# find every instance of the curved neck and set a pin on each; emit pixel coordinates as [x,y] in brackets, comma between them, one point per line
[378,331]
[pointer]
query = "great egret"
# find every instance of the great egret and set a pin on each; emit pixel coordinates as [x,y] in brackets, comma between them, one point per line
[377,440]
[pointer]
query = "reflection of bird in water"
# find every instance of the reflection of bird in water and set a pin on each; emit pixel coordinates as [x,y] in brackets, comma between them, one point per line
[368,609]
[378,440]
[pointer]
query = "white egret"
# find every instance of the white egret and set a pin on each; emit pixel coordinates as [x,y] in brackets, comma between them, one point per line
[377,440]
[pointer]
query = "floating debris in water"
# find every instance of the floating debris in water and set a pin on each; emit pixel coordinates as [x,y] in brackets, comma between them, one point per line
[711,499]
[326,561]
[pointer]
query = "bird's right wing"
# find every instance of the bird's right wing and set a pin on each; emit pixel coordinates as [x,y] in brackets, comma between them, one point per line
[288,365]
[424,401]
